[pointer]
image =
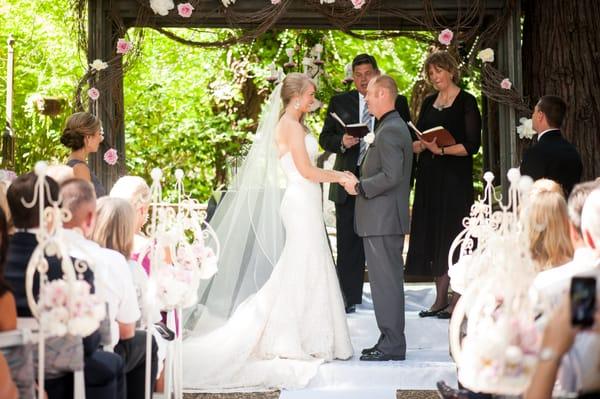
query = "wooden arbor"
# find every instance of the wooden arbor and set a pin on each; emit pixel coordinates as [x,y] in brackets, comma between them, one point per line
[499,138]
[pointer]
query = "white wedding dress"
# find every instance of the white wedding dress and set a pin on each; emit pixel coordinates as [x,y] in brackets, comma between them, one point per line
[278,337]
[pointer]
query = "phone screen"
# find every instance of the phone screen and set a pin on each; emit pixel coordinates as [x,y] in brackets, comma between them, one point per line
[583,301]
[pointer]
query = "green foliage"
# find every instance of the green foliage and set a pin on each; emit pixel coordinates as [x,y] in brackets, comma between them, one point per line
[185,107]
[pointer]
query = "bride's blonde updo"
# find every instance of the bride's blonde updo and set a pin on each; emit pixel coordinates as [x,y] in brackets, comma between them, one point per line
[294,84]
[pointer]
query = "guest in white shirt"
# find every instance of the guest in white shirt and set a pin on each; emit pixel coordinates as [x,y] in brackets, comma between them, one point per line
[114,283]
[552,284]
[115,229]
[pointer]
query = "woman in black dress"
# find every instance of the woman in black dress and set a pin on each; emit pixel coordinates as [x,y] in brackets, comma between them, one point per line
[444,178]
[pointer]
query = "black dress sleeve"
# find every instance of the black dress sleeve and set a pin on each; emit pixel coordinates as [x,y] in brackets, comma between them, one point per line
[402,108]
[472,117]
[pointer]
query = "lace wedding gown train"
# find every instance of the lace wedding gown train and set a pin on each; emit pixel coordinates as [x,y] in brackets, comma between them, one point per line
[278,337]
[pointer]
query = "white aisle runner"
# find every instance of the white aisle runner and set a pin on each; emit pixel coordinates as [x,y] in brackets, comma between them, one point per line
[427,358]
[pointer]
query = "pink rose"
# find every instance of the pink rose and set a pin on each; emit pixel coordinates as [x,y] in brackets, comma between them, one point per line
[93,93]
[111,157]
[185,10]
[358,4]
[445,37]
[123,46]
[506,84]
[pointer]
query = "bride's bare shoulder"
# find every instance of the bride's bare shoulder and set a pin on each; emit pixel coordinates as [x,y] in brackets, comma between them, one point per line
[288,126]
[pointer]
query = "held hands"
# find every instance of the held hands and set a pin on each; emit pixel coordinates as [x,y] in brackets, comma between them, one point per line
[349,141]
[348,181]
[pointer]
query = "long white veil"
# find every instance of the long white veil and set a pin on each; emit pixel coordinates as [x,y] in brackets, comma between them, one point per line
[248,225]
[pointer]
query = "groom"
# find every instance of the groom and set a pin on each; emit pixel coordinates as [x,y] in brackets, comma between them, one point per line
[381,216]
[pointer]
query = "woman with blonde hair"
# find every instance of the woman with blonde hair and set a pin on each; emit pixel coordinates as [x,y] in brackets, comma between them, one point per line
[547,225]
[82,135]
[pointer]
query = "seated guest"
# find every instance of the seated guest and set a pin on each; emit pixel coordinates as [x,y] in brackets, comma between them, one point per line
[8,308]
[103,371]
[552,157]
[552,284]
[82,135]
[114,229]
[547,227]
[577,355]
[114,283]
[135,190]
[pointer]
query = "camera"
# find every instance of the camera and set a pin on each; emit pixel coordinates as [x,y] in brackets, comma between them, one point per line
[583,301]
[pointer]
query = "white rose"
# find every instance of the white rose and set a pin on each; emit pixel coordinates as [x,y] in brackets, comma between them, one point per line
[162,7]
[486,55]
[99,65]
[369,138]
[227,3]
[525,129]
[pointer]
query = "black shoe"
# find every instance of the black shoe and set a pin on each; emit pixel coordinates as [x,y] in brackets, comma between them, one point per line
[164,331]
[350,309]
[444,315]
[447,392]
[431,313]
[368,350]
[378,356]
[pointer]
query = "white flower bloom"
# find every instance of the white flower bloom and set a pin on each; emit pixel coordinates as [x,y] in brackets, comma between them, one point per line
[227,3]
[162,7]
[369,138]
[99,65]
[486,55]
[525,129]
[327,1]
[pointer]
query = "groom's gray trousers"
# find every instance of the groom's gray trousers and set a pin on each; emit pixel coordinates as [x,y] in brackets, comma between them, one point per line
[386,276]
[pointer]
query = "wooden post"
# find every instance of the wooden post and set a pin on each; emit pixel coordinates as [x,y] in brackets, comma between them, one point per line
[8,144]
[102,36]
[509,62]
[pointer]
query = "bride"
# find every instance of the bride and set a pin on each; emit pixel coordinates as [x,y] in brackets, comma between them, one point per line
[274,312]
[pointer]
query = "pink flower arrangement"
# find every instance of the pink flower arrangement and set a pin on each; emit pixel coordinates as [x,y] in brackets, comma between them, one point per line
[93,93]
[506,84]
[358,4]
[123,46]
[185,10]
[445,37]
[111,156]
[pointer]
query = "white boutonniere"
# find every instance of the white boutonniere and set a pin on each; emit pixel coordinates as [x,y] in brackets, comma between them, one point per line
[369,138]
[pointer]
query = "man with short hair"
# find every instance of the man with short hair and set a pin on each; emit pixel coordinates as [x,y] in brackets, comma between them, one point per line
[103,371]
[381,216]
[552,157]
[114,284]
[351,108]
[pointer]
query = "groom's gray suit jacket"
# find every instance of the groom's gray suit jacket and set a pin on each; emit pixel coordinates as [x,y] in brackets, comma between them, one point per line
[385,180]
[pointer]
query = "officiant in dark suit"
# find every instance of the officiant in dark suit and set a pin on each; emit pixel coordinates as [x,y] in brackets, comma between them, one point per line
[552,157]
[351,108]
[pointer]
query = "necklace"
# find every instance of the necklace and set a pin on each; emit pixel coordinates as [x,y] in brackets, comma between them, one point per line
[440,105]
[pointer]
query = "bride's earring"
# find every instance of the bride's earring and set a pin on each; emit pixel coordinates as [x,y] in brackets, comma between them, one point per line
[297,105]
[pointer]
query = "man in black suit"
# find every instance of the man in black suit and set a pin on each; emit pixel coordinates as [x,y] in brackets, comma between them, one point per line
[351,108]
[552,157]
[103,371]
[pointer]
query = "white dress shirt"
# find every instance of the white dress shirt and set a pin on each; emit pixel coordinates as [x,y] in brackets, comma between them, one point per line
[112,279]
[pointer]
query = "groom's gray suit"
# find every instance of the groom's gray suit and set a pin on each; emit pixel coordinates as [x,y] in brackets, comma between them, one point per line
[381,218]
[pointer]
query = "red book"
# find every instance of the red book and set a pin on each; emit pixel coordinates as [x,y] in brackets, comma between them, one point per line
[444,137]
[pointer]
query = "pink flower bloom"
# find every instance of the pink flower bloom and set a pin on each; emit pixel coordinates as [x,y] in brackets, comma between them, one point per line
[185,10]
[445,37]
[93,93]
[123,46]
[111,157]
[358,4]
[275,1]
[506,84]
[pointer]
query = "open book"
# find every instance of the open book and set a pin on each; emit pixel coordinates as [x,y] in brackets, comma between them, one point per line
[356,129]
[444,137]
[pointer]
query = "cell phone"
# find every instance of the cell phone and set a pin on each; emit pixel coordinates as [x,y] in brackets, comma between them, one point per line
[583,301]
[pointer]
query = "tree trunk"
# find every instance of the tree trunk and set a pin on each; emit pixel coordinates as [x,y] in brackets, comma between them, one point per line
[561,56]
